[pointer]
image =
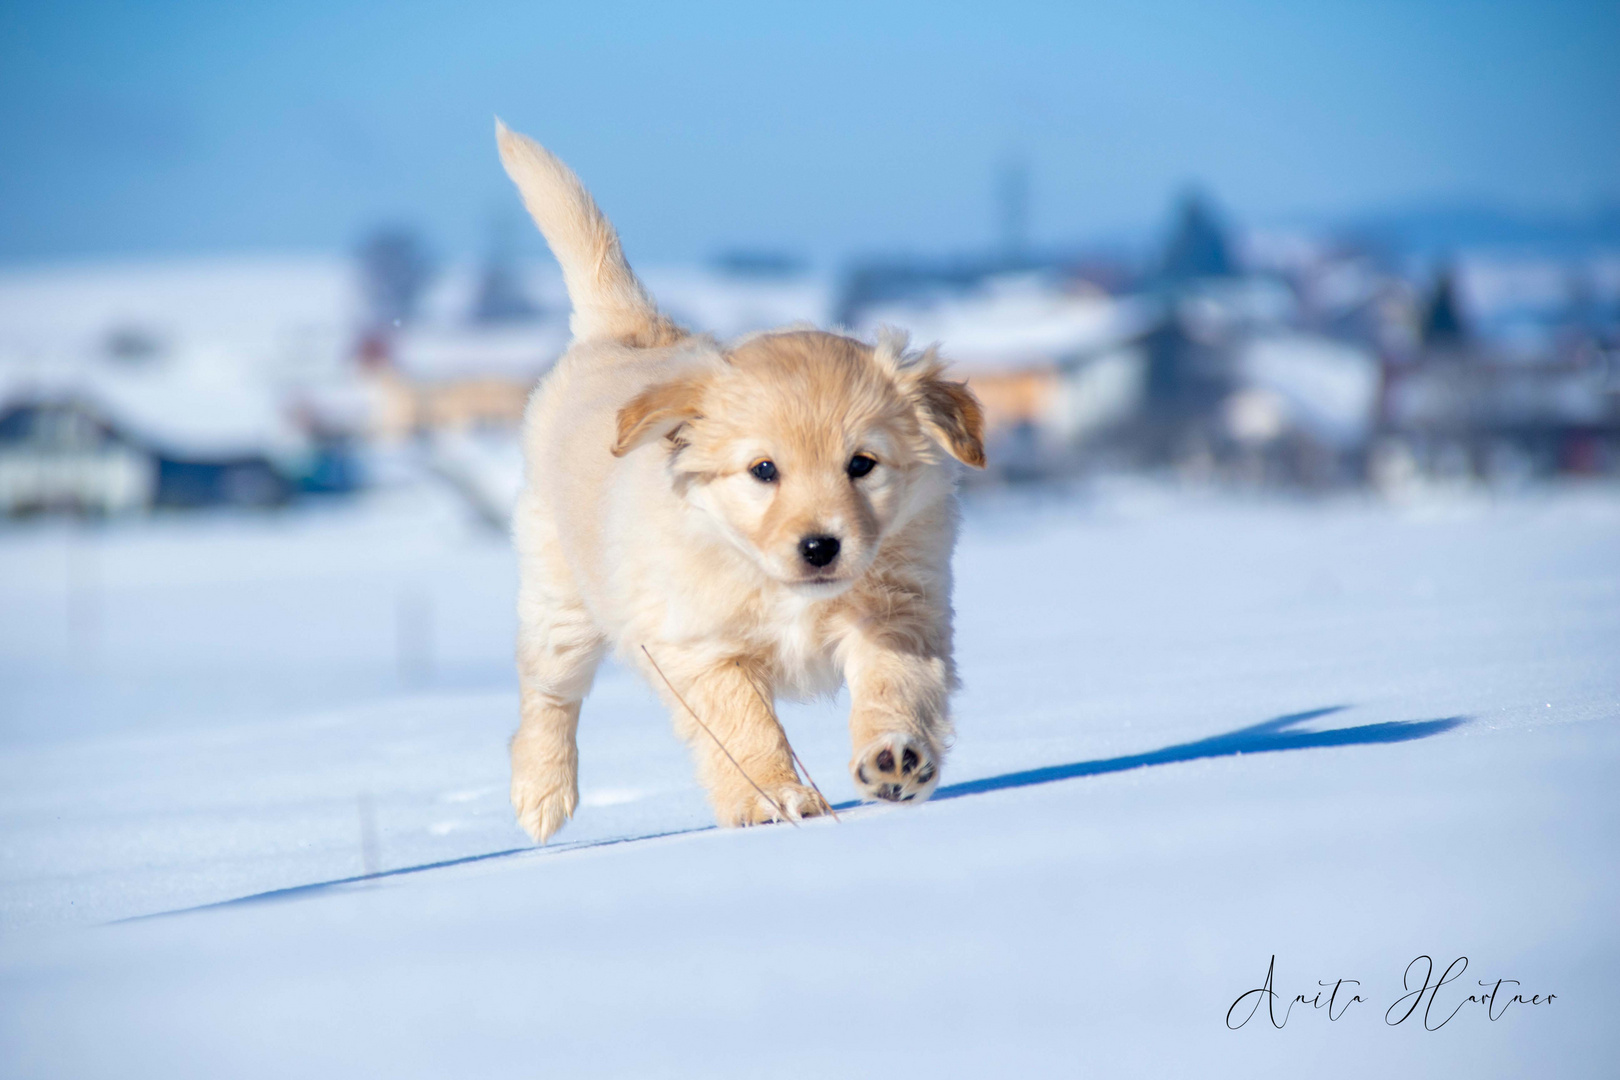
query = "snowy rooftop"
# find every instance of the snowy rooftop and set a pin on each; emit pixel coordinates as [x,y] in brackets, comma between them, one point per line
[72,309]
[1015,322]
[522,350]
[200,403]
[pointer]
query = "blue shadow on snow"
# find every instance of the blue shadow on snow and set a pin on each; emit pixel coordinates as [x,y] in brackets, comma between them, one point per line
[1256,739]
[1259,738]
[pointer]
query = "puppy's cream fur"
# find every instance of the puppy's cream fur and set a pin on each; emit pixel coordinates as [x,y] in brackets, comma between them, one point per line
[641,525]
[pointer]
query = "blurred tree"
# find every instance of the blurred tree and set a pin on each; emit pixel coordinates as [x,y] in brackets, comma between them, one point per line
[394,268]
[1442,325]
[501,296]
[1198,246]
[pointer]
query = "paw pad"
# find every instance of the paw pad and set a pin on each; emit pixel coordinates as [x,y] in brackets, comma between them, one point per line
[895,768]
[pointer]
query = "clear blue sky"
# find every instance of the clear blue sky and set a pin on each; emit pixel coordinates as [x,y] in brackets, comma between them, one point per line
[828,128]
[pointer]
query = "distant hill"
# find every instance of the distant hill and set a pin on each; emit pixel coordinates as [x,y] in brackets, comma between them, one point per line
[1441,227]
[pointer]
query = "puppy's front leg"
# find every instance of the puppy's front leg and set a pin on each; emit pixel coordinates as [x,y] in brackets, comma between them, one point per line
[899,722]
[729,699]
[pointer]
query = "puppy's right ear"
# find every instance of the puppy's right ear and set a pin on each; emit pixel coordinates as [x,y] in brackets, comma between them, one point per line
[657,412]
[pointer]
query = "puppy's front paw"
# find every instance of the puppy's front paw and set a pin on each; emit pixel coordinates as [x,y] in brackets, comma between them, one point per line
[792,799]
[896,768]
[543,801]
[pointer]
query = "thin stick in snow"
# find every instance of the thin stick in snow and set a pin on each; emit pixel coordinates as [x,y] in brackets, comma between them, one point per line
[368,835]
[774,804]
[796,759]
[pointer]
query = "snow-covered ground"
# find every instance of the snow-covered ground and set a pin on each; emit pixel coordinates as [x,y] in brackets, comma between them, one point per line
[1196,734]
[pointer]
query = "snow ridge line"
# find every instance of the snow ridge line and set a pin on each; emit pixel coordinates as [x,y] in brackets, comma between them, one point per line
[1265,737]
[538,851]
[292,891]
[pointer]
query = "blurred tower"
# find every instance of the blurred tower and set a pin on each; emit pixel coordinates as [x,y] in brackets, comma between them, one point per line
[1012,207]
[1188,375]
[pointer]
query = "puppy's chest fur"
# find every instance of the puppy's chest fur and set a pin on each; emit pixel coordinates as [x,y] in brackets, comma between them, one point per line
[797,637]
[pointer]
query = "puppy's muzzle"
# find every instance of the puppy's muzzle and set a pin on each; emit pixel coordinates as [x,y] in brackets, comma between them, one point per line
[819,551]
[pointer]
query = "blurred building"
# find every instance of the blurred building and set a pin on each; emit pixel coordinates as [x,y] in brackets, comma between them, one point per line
[112,442]
[1191,363]
[1462,404]
[427,379]
[1256,358]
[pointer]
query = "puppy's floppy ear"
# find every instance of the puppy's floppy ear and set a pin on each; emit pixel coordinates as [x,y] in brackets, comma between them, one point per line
[952,415]
[656,412]
[947,410]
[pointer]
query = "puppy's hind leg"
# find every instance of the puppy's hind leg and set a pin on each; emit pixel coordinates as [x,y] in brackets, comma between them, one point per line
[559,648]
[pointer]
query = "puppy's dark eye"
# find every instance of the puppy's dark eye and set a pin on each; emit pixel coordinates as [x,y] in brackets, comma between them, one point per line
[860,465]
[764,471]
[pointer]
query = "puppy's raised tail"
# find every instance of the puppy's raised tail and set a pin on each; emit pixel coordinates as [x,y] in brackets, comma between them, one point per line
[609,301]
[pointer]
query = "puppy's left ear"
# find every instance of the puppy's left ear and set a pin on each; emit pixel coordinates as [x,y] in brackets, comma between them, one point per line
[952,415]
[947,410]
[657,412]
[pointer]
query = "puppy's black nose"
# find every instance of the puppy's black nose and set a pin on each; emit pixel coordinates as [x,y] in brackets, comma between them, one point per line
[819,551]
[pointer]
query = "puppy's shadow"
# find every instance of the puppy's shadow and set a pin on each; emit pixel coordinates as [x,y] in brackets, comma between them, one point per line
[1275,734]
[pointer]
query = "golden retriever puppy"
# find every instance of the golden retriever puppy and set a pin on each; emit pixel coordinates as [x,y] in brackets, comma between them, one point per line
[772,516]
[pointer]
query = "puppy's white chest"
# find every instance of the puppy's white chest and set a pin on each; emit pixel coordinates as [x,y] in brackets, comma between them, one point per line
[804,656]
